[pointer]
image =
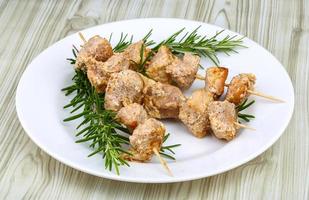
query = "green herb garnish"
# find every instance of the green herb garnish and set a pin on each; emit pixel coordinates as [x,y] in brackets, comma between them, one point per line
[201,45]
[244,105]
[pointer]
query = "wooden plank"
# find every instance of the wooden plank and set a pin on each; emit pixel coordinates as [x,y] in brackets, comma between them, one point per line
[29,27]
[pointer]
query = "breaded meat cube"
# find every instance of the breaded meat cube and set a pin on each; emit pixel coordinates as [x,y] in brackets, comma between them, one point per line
[238,88]
[223,119]
[99,72]
[157,66]
[193,112]
[215,80]
[145,138]
[123,88]
[183,71]
[161,100]
[132,115]
[97,48]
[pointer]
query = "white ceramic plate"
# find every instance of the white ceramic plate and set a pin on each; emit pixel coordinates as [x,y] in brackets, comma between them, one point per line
[39,103]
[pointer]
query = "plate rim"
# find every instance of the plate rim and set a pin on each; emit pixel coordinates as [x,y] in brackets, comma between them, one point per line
[160,180]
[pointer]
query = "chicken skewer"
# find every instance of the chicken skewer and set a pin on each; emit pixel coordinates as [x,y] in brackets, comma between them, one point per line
[123,89]
[166,101]
[215,81]
[123,94]
[171,69]
[200,77]
[193,111]
[195,115]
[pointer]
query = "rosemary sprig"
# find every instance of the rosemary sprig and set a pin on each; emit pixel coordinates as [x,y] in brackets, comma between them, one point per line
[141,67]
[168,148]
[75,51]
[123,42]
[146,37]
[98,125]
[201,45]
[244,105]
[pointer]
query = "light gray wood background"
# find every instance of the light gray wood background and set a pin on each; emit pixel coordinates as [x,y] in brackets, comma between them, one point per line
[28,27]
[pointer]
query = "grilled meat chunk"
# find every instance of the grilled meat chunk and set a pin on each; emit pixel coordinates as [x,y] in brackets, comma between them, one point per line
[238,88]
[222,117]
[162,100]
[157,66]
[183,71]
[123,88]
[145,138]
[132,115]
[97,48]
[99,72]
[215,80]
[193,112]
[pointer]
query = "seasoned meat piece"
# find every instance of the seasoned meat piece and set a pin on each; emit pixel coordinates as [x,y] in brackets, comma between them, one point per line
[238,88]
[99,72]
[97,48]
[162,100]
[133,53]
[132,115]
[222,117]
[157,66]
[193,112]
[183,71]
[145,138]
[215,80]
[122,89]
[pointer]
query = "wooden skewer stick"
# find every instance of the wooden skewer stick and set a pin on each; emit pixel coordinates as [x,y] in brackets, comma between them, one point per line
[162,161]
[265,96]
[82,37]
[200,77]
[244,126]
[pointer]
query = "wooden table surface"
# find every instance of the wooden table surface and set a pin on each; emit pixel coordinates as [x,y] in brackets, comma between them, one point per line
[28,27]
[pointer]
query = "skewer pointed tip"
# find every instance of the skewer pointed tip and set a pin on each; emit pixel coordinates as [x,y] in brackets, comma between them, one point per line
[163,162]
[244,126]
[266,96]
[82,37]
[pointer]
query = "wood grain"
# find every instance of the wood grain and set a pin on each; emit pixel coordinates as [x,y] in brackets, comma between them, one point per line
[28,27]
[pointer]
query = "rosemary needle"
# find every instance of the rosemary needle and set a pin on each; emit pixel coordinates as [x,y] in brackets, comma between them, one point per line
[244,105]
